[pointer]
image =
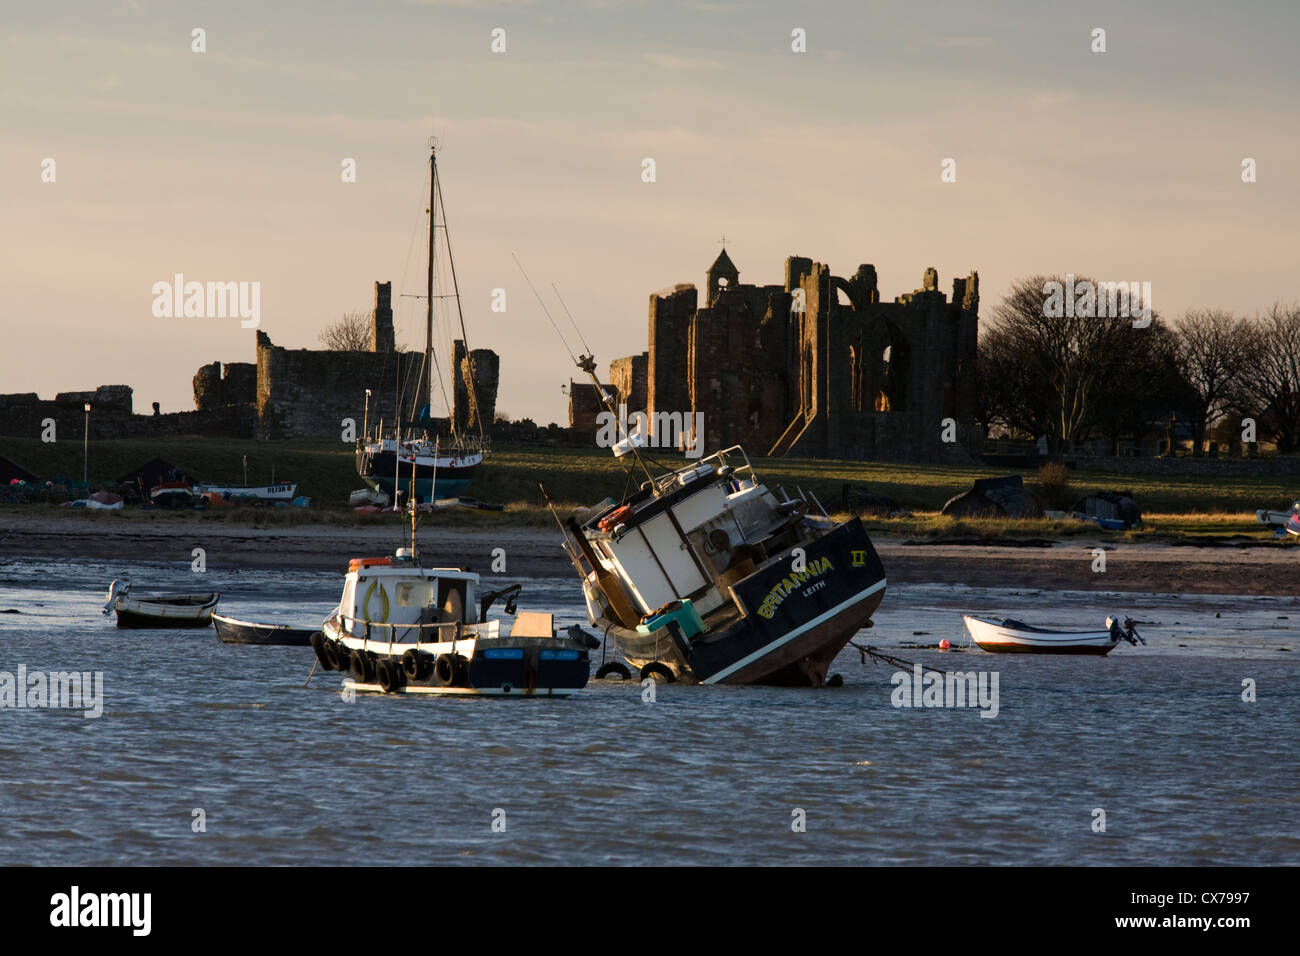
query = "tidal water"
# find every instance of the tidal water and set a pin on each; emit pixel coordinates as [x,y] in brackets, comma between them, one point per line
[214,754]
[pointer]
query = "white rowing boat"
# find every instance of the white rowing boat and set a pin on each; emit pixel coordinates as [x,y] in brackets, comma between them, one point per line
[1278,519]
[1009,636]
[285,491]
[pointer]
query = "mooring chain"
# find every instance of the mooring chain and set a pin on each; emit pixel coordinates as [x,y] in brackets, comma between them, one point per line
[874,654]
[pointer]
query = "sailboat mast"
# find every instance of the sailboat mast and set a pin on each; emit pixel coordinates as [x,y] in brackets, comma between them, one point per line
[433,226]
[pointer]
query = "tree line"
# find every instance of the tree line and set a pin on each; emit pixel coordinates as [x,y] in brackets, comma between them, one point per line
[1073,378]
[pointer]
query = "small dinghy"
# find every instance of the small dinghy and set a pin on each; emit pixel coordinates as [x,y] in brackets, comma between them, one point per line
[233,631]
[159,610]
[1290,520]
[1008,636]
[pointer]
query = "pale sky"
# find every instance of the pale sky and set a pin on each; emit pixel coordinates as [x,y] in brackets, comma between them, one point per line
[225,165]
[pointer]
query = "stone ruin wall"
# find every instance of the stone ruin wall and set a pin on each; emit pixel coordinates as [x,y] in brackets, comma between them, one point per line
[816,383]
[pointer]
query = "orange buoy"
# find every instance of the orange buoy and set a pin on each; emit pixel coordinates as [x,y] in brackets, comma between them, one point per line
[944,645]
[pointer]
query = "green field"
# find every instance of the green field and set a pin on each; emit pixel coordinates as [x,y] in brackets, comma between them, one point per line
[325,473]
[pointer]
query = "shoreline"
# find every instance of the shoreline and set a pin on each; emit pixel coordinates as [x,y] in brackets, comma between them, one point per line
[1266,568]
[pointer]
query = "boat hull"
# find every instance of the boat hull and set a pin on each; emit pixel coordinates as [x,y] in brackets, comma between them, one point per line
[172,613]
[383,469]
[793,626]
[476,665]
[1000,637]
[286,491]
[232,631]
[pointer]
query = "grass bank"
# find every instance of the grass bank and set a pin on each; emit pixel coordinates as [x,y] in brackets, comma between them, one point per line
[1172,504]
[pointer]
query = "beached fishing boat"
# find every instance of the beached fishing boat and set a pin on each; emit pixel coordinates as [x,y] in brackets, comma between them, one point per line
[422,465]
[234,631]
[401,628]
[172,494]
[285,491]
[1010,636]
[159,610]
[704,574]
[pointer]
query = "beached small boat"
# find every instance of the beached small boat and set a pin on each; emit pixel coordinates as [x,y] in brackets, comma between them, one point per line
[285,491]
[368,496]
[1108,524]
[1009,636]
[234,631]
[172,494]
[159,610]
[1280,519]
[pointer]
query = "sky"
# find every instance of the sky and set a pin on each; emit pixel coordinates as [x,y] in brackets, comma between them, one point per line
[226,165]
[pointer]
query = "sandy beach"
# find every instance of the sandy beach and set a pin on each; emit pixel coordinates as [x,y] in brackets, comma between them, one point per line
[1266,568]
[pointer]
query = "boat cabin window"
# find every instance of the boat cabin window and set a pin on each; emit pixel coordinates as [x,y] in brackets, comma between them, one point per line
[414,593]
[451,599]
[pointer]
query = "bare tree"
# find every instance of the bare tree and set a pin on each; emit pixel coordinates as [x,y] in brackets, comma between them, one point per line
[1270,391]
[349,334]
[1213,351]
[1051,371]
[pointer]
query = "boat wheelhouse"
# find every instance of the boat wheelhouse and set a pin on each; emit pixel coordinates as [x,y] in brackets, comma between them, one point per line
[401,628]
[705,574]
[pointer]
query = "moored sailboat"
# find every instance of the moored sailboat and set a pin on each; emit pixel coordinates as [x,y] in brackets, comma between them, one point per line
[422,465]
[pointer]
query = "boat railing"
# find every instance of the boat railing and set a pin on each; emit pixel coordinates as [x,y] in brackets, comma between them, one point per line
[719,460]
[450,447]
[381,632]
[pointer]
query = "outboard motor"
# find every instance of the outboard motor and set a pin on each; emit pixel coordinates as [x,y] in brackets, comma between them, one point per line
[117,589]
[1126,633]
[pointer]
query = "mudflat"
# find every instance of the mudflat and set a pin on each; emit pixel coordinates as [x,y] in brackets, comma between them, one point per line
[1263,568]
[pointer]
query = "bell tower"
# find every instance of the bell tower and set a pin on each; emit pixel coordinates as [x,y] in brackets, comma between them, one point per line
[721,275]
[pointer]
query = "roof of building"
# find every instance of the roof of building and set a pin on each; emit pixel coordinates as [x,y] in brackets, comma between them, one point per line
[723,263]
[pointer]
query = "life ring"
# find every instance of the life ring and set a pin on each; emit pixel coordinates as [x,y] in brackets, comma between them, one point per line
[614,518]
[383,599]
